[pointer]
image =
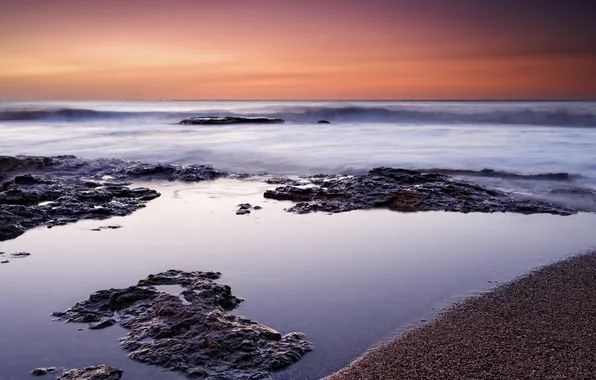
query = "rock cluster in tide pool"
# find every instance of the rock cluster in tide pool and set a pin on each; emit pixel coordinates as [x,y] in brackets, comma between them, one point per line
[190,332]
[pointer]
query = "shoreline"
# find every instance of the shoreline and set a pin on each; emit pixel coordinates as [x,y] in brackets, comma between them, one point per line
[539,326]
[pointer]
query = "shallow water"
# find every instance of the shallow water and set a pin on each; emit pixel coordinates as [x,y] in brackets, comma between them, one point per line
[346,280]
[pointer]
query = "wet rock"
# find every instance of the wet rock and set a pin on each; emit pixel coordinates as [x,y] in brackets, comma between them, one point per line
[98,372]
[32,205]
[323,122]
[406,191]
[196,337]
[505,175]
[42,371]
[20,254]
[187,173]
[244,208]
[231,120]
[65,193]
[102,324]
[110,227]
[283,181]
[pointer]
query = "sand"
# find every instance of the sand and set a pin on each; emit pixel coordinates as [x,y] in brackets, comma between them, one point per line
[541,326]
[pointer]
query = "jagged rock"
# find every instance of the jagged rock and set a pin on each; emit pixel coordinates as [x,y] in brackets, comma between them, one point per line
[20,254]
[110,227]
[231,120]
[32,205]
[244,208]
[98,372]
[505,175]
[102,324]
[406,191]
[191,332]
[42,371]
[282,181]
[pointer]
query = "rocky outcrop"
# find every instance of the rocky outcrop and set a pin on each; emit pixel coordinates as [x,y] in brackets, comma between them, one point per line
[190,332]
[231,120]
[53,191]
[58,202]
[490,173]
[98,372]
[43,371]
[406,191]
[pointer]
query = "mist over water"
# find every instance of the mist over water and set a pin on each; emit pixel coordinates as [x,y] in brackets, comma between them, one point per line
[519,137]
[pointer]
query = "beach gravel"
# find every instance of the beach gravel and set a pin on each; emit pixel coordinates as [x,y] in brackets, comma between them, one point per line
[541,326]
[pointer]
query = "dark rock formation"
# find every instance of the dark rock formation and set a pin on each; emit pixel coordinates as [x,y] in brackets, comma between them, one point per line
[111,227]
[98,372]
[505,175]
[244,208]
[323,122]
[42,371]
[190,332]
[283,181]
[231,120]
[58,190]
[20,254]
[63,201]
[406,191]
[4,262]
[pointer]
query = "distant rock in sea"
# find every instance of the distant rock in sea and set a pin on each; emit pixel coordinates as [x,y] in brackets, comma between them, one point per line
[323,122]
[231,120]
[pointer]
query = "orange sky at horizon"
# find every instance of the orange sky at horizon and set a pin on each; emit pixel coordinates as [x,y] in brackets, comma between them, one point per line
[119,50]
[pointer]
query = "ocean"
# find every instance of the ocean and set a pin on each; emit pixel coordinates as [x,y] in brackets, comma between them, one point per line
[520,137]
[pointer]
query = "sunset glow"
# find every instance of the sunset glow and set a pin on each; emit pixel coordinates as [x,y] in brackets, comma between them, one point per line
[264,49]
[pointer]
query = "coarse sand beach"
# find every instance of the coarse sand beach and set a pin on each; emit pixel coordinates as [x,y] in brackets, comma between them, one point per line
[541,326]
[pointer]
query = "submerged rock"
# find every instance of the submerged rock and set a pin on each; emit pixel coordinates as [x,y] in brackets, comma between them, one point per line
[244,208]
[98,372]
[190,332]
[42,371]
[20,254]
[406,191]
[231,120]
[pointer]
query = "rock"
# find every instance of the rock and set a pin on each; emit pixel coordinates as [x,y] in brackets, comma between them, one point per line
[4,262]
[505,175]
[196,337]
[323,122]
[244,208]
[111,227]
[407,191]
[102,324]
[42,371]
[283,181]
[98,372]
[20,254]
[231,120]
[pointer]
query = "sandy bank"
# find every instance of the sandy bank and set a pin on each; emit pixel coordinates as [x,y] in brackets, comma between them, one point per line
[542,326]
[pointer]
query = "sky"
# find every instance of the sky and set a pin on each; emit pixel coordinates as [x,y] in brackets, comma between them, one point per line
[305,49]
